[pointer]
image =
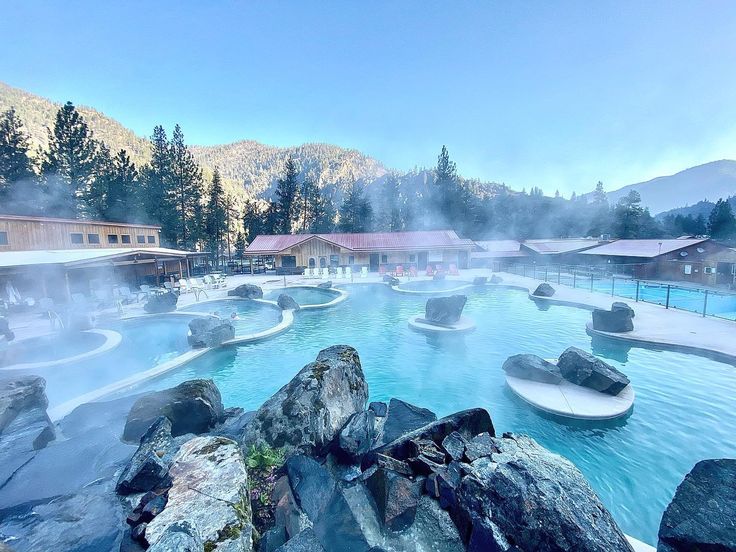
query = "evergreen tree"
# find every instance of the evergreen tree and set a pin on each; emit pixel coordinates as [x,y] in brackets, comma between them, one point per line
[628,215]
[186,191]
[287,190]
[70,163]
[121,204]
[356,212]
[215,216]
[240,246]
[390,212]
[95,197]
[447,200]
[599,194]
[157,183]
[600,222]
[18,180]
[721,222]
[323,213]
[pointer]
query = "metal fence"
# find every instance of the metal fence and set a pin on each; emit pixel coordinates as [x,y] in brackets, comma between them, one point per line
[621,281]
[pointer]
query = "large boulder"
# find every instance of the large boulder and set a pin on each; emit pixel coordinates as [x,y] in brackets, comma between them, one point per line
[523,497]
[179,537]
[396,497]
[582,368]
[391,280]
[532,367]
[402,418]
[616,320]
[210,492]
[702,512]
[325,285]
[358,436]
[444,310]
[305,541]
[25,427]
[194,406]
[544,290]
[480,280]
[308,412]
[161,302]
[287,302]
[149,467]
[246,291]
[209,331]
[620,305]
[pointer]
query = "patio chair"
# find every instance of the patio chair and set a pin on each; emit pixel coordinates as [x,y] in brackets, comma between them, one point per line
[413,271]
[309,273]
[382,270]
[184,286]
[399,270]
[339,273]
[452,271]
[325,273]
[221,280]
[125,295]
[348,273]
[430,270]
[209,282]
[364,272]
[168,286]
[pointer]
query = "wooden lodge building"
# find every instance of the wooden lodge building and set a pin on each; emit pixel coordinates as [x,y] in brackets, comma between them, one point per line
[377,250]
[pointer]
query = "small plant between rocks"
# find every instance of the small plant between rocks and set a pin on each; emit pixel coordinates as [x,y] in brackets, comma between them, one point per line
[263,462]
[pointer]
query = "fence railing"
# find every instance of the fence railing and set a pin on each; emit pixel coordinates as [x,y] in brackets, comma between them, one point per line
[620,281]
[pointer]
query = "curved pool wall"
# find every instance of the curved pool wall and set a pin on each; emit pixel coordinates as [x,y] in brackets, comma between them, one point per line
[308,297]
[110,340]
[432,287]
[634,463]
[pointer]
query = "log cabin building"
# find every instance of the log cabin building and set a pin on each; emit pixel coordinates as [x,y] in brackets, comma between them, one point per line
[374,250]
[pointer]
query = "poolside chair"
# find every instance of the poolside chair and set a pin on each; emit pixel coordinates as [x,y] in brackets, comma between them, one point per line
[183,286]
[348,273]
[430,270]
[382,270]
[325,273]
[452,271]
[399,270]
[339,274]
[413,271]
[208,282]
[125,295]
[364,272]
[168,286]
[309,273]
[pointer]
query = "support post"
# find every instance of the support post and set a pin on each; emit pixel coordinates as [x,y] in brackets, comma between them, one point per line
[68,287]
[667,303]
[613,284]
[574,277]
[705,303]
[591,281]
[637,290]
[559,271]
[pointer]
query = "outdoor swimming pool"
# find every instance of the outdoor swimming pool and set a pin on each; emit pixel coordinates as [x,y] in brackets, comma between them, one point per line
[304,295]
[432,286]
[683,412]
[252,316]
[49,348]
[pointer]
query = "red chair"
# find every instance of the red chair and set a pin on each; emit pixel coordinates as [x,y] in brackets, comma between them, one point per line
[382,270]
[453,270]
[413,271]
[399,270]
[430,270]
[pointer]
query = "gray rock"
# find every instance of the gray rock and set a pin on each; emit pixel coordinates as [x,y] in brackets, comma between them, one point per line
[438,276]
[287,302]
[149,467]
[536,500]
[234,425]
[161,302]
[396,498]
[404,417]
[496,279]
[210,491]
[544,290]
[246,291]
[379,408]
[467,423]
[454,445]
[584,369]
[25,427]
[180,536]
[391,280]
[306,541]
[209,331]
[272,539]
[321,498]
[325,285]
[309,411]
[287,513]
[532,367]
[358,436]
[702,512]
[618,320]
[480,446]
[620,305]
[444,310]
[480,280]
[194,406]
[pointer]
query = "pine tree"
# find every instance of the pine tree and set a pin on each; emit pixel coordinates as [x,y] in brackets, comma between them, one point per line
[446,200]
[390,211]
[70,163]
[215,216]
[18,180]
[186,190]
[122,202]
[323,214]
[240,245]
[356,212]
[721,222]
[157,183]
[287,206]
[628,215]
[599,195]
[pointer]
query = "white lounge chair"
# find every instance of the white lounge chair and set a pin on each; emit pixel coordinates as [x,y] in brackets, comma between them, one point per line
[364,272]
[339,273]
[209,282]
[183,286]
[348,273]
[308,273]
[221,280]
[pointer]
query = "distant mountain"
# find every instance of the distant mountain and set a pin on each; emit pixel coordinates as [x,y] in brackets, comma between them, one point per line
[710,181]
[248,166]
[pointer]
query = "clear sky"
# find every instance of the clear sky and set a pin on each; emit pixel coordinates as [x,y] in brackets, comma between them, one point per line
[554,94]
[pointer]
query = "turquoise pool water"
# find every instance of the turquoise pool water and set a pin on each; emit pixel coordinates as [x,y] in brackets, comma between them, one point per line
[303,295]
[683,411]
[145,343]
[252,316]
[432,285]
[50,347]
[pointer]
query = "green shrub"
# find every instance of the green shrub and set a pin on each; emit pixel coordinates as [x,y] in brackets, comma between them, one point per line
[262,457]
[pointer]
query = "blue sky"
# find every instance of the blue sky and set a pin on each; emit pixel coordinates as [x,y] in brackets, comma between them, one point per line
[553,94]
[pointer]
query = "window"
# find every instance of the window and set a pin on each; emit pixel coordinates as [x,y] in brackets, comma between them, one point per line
[77,238]
[3,238]
[384,259]
[351,260]
[112,238]
[140,239]
[288,261]
[322,262]
[312,262]
[412,258]
[709,270]
[334,260]
[151,239]
[125,238]
[93,238]
[688,269]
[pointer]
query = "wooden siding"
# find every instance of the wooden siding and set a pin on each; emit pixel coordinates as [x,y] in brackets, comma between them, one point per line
[30,235]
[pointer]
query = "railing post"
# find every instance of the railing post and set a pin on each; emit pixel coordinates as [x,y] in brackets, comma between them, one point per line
[591,280]
[534,272]
[545,273]
[637,290]
[613,284]
[574,277]
[667,304]
[523,267]
[705,303]
[559,270]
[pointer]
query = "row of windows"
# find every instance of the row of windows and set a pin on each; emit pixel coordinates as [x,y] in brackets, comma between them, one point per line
[78,238]
[334,261]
